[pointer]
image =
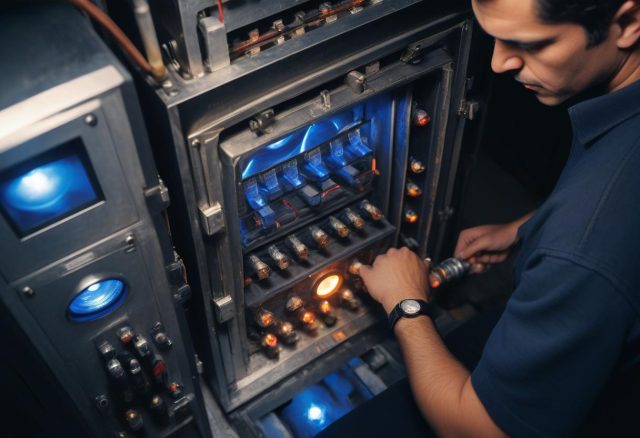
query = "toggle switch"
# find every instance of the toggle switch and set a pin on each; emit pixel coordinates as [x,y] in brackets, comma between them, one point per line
[253,195]
[297,247]
[107,351]
[348,299]
[338,227]
[336,156]
[354,219]
[308,320]
[291,175]
[138,378]
[162,340]
[352,176]
[371,210]
[267,217]
[357,147]
[413,190]
[141,346]
[260,268]
[125,334]
[271,184]
[159,372]
[175,390]
[158,406]
[279,258]
[354,267]
[327,313]
[320,238]
[313,167]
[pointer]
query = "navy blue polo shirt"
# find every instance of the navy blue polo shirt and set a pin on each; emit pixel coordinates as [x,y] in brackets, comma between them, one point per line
[570,333]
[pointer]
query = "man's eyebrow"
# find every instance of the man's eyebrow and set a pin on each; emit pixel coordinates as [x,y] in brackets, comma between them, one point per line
[528,45]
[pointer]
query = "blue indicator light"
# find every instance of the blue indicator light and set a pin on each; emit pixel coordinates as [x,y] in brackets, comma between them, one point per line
[98,300]
[46,192]
[314,167]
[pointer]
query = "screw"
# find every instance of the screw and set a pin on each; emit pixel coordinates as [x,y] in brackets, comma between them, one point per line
[91,120]
[195,143]
[130,240]
[166,84]
[102,401]
[27,291]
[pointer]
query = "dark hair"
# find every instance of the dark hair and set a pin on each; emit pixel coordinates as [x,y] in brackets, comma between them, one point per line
[594,15]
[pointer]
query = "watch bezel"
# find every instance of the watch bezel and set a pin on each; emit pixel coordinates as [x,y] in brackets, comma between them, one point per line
[414,310]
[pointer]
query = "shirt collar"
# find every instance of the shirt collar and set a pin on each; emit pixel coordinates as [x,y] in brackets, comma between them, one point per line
[595,117]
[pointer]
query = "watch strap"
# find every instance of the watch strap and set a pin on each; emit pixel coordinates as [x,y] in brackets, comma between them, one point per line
[426,308]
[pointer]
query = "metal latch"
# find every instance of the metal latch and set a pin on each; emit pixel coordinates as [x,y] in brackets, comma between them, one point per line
[224,308]
[212,219]
[259,123]
[356,81]
[469,109]
[157,197]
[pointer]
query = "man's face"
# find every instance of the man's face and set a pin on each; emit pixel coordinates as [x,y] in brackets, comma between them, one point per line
[552,60]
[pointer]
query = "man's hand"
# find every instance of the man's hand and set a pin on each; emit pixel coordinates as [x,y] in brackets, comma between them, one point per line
[395,276]
[487,245]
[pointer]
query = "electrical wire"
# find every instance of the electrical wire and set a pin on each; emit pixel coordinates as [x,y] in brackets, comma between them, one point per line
[121,38]
[220,11]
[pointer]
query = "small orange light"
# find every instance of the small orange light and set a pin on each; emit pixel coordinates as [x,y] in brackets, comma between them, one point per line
[328,285]
[417,166]
[411,216]
[308,317]
[270,340]
[421,118]
[413,190]
[265,318]
[285,328]
[325,307]
[434,281]
[132,415]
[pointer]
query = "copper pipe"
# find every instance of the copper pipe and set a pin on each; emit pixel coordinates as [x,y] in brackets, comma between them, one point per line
[110,26]
[245,45]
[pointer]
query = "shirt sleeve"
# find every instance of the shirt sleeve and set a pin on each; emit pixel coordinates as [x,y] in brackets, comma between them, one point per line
[553,349]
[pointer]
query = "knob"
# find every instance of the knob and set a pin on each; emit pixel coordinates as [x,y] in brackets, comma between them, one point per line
[294,304]
[308,320]
[348,299]
[354,267]
[134,419]
[327,313]
[125,334]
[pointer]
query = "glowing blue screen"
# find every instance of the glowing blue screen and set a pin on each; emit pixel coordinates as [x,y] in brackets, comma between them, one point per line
[39,194]
[97,300]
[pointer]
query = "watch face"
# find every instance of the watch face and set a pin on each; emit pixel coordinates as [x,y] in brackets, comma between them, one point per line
[410,307]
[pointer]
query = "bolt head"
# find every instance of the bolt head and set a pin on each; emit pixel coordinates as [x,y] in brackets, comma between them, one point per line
[27,291]
[91,120]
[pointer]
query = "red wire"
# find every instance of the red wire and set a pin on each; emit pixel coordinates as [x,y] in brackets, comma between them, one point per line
[220,12]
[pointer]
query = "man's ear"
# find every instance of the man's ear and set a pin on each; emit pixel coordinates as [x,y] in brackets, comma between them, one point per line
[627,19]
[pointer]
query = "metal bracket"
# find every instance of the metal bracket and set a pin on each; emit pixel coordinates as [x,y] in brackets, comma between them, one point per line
[212,219]
[469,109]
[259,123]
[224,308]
[356,81]
[157,197]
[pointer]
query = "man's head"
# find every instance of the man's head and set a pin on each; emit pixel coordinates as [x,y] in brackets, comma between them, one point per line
[559,48]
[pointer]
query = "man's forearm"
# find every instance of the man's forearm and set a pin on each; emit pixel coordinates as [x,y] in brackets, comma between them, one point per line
[441,385]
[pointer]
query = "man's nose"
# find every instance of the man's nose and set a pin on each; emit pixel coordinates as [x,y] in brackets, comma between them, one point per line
[505,58]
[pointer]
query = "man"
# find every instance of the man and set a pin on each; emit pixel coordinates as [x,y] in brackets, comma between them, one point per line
[569,338]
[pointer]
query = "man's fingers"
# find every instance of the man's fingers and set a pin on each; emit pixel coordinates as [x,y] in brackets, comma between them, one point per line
[479,268]
[365,270]
[474,247]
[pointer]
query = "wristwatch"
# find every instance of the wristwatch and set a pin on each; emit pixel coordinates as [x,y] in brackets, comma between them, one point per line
[410,309]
